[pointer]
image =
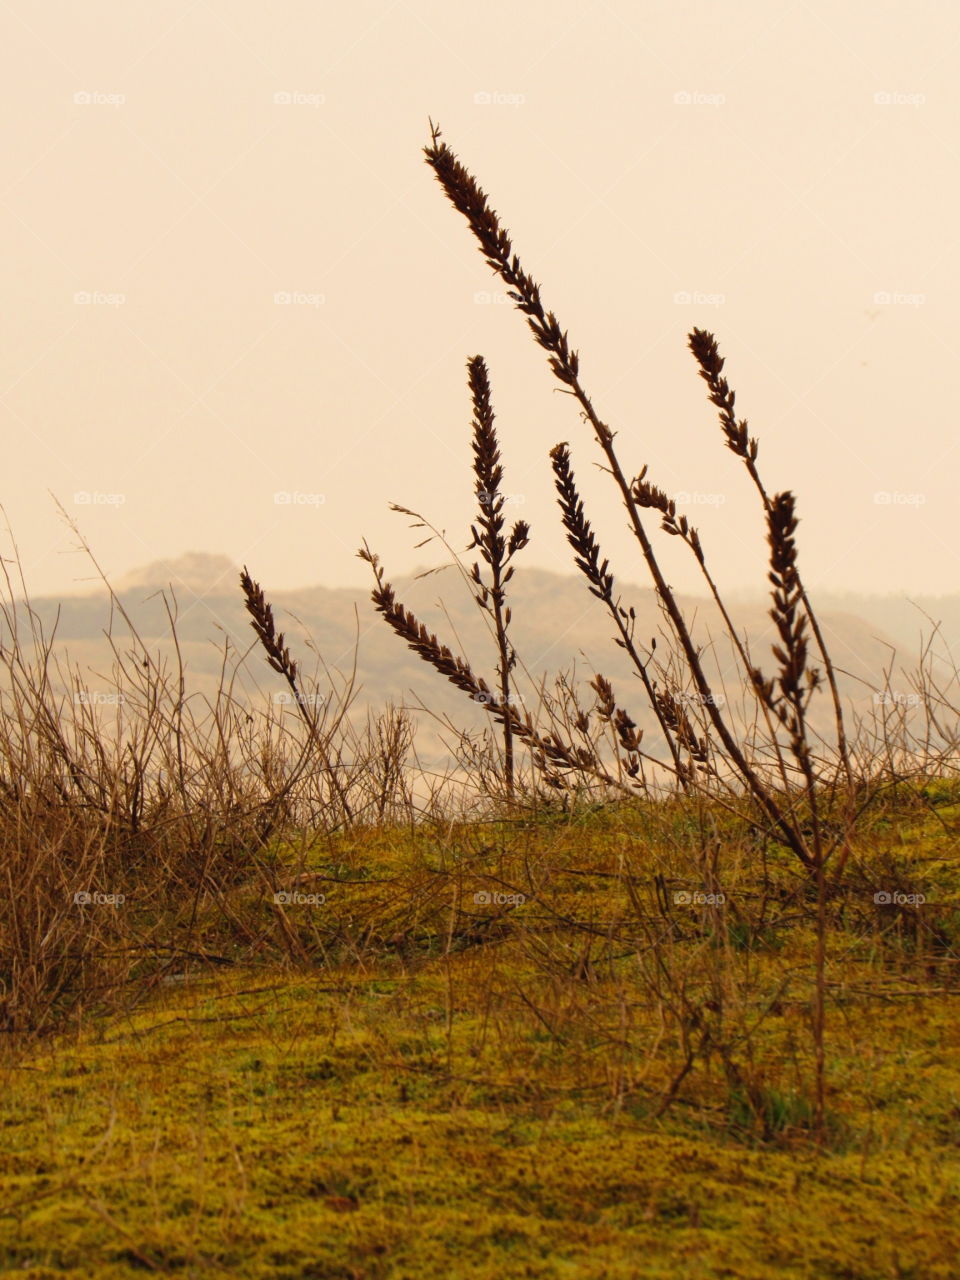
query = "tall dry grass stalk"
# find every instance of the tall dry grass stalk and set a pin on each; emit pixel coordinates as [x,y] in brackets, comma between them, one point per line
[278,657]
[691,753]
[791,812]
[488,537]
[747,448]
[549,752]
[552,754]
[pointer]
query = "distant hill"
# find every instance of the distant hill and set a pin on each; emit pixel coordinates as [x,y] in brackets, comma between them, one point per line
[557,626]
[904,618]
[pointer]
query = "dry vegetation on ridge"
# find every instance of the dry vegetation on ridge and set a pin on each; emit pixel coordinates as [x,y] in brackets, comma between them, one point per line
[609,1011]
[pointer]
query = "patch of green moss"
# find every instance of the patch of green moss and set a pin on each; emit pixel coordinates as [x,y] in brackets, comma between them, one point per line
[437,1087]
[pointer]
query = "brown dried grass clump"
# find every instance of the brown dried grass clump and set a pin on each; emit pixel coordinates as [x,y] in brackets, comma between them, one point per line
[694,755]
[706,756]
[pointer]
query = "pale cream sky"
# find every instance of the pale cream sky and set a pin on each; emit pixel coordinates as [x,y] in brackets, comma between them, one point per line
[785,175]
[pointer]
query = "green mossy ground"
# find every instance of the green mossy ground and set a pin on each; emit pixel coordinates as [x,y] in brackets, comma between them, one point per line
[425,1099]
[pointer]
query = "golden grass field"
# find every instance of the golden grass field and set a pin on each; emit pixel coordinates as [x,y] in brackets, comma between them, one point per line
[280,1000]
[445,1088]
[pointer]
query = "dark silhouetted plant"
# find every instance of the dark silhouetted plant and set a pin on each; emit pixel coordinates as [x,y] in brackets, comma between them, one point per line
[792,813]
[497,550]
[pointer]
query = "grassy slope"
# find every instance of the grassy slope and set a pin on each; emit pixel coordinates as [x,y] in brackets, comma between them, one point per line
[428,1105]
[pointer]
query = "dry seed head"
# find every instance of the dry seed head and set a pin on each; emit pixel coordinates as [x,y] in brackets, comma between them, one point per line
[579,533]
[263,624]
[468,198]
[705,350]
